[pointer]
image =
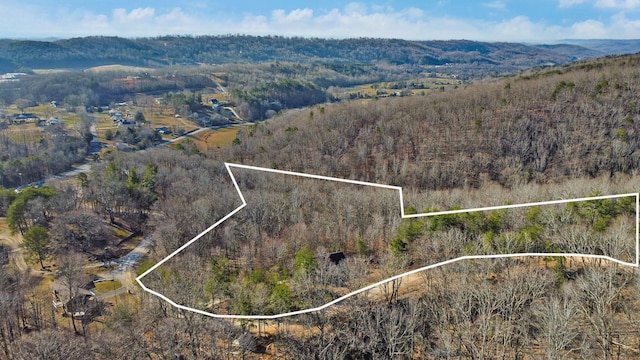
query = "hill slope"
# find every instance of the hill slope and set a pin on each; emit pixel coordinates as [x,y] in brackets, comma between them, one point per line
[579,120]
[466,57]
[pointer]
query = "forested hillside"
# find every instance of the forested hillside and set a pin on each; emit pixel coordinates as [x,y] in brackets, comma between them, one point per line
[565,132]
[467,58]
[578,120]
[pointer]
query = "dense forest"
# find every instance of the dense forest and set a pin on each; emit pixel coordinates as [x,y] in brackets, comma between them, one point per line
[570,131]
[578,120]
[468,57]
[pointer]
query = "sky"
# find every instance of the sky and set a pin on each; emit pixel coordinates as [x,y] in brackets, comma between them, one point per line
[482,20]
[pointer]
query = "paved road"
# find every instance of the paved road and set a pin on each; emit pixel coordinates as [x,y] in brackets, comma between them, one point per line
[129,261]
[125,265]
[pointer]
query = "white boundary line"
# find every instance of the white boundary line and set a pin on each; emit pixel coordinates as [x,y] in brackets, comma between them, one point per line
[369,287]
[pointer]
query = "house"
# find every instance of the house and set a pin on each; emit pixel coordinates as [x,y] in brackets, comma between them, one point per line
[116,116]
[53,120]
[23,118]
[126,123]
[61,296]
[204,120]
[163,130]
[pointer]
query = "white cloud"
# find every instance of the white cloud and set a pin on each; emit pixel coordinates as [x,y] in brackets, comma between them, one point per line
[497,5]
[413,13]
[136,15]
[622,25]
[570,3]
[352,20]
[618,4]
[588,29]
[355,9]
[294,16]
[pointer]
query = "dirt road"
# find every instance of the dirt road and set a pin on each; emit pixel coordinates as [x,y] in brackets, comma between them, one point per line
[13,243]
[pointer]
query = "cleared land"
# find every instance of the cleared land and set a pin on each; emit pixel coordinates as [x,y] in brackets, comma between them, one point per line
[210,139]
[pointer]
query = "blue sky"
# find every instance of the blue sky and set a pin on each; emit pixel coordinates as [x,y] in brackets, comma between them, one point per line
[490,20]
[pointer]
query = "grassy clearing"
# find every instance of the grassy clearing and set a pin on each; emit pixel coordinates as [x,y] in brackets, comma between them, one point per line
[122,234]
[27,133]
[116,67]
[391,88]
[206,97]
[49,71]
[214,139]
[107,286]
[166,117]
[221,137]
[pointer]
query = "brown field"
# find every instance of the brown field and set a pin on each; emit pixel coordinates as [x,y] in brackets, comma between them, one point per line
[214,139]
[28,133]
[167,118]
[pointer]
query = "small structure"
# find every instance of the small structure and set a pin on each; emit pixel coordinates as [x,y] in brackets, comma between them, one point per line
[336,257]
[23,118]
[204,120]
[126,124]
[11,77]
[163,130]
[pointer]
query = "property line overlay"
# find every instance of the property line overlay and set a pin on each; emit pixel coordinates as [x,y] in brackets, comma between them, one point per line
[403,216]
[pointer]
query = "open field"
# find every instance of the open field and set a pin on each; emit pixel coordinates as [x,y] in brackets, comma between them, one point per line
[116,67]
[28,133]
[167,117]
[214,139]
[107,286]
[422,85]
[48,71]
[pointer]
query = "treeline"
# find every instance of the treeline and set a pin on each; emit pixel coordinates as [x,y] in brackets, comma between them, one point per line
[191,50]
[266,100]
[580,120]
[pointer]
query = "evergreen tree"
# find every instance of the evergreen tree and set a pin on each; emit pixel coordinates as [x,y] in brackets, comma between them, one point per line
[37,243]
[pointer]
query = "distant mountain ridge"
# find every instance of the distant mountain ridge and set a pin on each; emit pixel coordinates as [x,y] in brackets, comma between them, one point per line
[608,46]
[469,57]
